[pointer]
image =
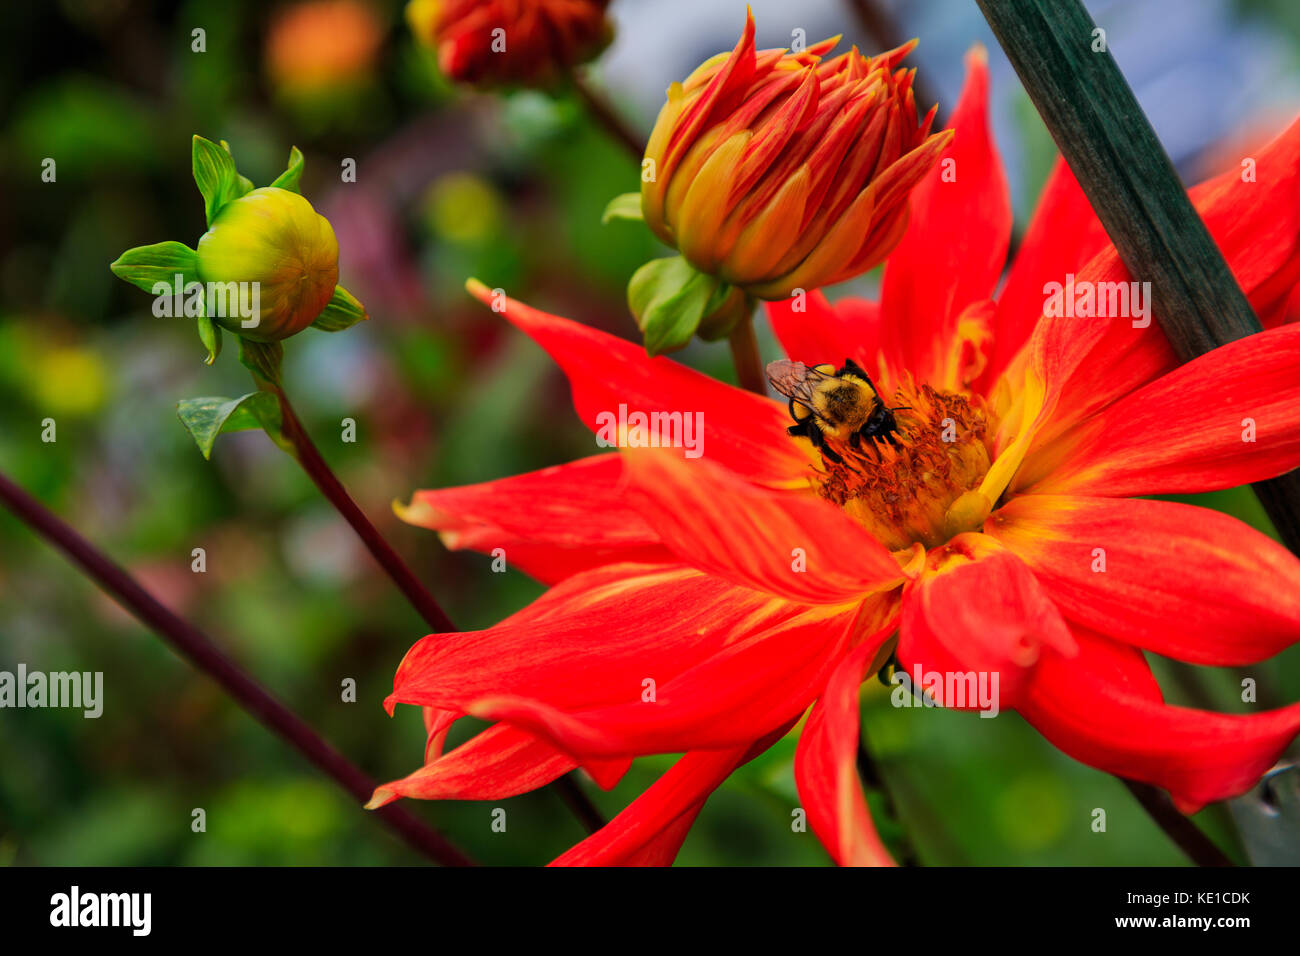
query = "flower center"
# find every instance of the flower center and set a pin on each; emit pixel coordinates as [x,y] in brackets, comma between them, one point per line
[908,485]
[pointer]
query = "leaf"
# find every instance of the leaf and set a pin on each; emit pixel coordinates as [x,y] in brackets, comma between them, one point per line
[216,176]
[245,184]
[626,206]
[206,418]
[210,336]
[263,359]
[669,298]
[291,178]
[342,312]
[146,266]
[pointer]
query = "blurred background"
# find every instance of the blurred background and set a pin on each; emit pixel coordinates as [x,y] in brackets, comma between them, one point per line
[449,184]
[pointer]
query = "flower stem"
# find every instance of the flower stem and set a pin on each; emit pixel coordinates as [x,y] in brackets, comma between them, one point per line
[203,653]
[310,458]
[744,353]
[873,779]
[319,471]
[1128,178]
[1199,848]
[613,124]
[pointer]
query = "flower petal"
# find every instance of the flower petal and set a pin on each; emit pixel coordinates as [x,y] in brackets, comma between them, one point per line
[740,429]
[791,544]
[651,829]
[500,762]
[1063,235]
[1181,581]
[1093,362]
[1118,726]
[591,640]
[825,333]
[551,523]
[1187,431]
[825,764]
[746,689]
[955,247]
[978,611]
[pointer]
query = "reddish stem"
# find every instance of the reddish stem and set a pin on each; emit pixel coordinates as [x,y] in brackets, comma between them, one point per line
[199,649]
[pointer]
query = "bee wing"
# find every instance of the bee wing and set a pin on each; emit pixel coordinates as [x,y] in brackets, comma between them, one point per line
[795,379]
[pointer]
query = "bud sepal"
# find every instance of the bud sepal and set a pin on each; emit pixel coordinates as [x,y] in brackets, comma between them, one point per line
[673,302]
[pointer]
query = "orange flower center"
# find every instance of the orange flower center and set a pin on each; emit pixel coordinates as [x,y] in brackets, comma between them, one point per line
[918,484]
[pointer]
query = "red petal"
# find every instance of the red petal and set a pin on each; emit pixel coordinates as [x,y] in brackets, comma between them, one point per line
[825,333]
[1093,362]
[825,765]
[1184,431]
[744,691]
[791,544]
[1086,708]
[551,523]
[650,830]
[741,430]
[502,761]
[1063,235]
[590,641]
[955,247]
[981,613]
[1184,582]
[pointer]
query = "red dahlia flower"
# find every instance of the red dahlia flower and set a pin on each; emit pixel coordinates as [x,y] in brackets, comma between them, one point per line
[979,553]
[530,42]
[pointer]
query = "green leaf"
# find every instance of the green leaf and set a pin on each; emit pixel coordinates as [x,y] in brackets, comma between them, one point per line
[626,206]
[210,335]
[670,299]
[216,176]
[206,418]
[145,266]
[263,359]
[245,184]
[291,178]
[342,312]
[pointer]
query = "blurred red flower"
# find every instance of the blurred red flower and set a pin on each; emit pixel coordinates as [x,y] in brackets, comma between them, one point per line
[529,42]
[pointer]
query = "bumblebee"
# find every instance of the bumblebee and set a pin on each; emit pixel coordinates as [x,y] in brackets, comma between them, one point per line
[841,404]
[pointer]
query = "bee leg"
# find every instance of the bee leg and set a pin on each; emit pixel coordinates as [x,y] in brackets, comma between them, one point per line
[819,440]
[855,439]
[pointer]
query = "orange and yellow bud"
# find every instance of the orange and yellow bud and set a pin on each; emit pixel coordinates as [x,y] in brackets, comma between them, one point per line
[274,238]
[776,171]
[527,42]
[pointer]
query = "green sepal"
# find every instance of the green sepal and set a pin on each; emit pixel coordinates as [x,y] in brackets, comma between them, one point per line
[216,176]
[263,359]
[206,418]
[210,336]
[291,178]
[341,312]
[673,301]
[146,266]
[626,206]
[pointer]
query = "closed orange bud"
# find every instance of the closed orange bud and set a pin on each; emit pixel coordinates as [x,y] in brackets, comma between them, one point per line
[778,171]
[529,42]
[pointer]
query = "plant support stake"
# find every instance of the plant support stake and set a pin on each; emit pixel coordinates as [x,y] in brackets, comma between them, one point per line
[1128,178]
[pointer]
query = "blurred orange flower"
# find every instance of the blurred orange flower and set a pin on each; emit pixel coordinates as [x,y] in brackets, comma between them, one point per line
[321,45]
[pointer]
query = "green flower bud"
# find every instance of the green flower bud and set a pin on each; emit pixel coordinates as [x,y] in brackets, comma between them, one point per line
[274,238]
